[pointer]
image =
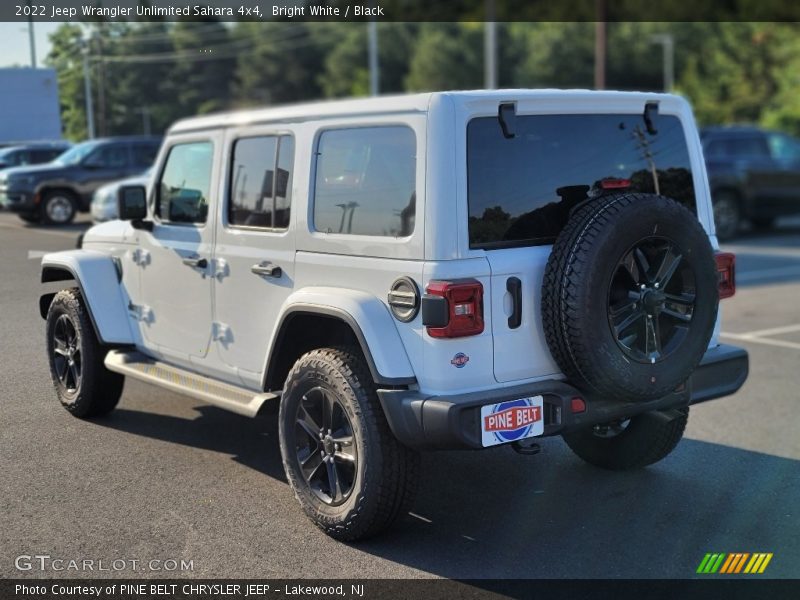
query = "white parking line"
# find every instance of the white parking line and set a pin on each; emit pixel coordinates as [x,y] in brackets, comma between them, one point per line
[761,340]
[37,254]
[771,331]
[67,234]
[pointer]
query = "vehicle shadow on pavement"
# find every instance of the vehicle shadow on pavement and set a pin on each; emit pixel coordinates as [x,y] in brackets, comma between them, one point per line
[215,429]
[496,514]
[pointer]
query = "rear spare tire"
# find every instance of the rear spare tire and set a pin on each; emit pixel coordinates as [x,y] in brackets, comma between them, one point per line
[629,299]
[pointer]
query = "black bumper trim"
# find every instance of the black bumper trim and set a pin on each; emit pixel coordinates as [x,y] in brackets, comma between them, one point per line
[453,422]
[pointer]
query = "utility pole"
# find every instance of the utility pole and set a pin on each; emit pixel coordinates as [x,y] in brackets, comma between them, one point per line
[374,74]
[87,90]
[600,45]
[490,47]
[31,39]
[146,119]
[667,43]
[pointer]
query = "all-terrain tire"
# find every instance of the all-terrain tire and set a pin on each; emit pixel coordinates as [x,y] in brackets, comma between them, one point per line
[581,272]
[645,440]
[384,479]
[83,384]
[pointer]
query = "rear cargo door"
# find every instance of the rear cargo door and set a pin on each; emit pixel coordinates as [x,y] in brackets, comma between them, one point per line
[521,188]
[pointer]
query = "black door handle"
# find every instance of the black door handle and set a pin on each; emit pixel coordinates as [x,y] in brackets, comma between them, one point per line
[514,287]
[195,262]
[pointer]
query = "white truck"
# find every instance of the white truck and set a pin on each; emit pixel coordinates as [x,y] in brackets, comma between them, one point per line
[444,270]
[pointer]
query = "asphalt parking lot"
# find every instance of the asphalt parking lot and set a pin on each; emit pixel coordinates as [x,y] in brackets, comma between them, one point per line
[165,477]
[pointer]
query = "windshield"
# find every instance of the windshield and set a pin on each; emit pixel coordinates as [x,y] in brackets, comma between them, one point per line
[76,154]
[521,190]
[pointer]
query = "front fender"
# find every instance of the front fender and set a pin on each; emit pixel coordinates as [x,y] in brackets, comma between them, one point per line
[370,320]
[98,280]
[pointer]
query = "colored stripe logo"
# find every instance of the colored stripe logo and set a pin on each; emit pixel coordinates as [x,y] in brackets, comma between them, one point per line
[734,562]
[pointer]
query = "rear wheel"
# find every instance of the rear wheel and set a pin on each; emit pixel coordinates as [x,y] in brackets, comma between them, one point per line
[83,384]
[633,443]
[58,207]
[727,214]
[348,471]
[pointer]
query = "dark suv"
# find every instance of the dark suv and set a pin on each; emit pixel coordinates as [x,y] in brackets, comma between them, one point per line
[54,192]
[31,154]
[754,175]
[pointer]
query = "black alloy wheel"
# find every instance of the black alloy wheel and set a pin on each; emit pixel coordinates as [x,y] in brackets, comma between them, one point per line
[324,446]
[651,300]
[67,354]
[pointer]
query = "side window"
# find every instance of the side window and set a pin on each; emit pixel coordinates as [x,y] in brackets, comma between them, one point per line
[109,157]
[783,147]
[261,182]
[366,181]
[144,154]
[43,156]
[752,146]
[22,158]
[183,191]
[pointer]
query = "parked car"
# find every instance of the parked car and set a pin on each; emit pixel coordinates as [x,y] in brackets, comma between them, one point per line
[55,192]
[754,175]
[31,154]
[445,270]
[104,202]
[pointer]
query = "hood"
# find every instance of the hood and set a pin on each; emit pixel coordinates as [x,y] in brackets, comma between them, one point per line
[38,171]
[119,232]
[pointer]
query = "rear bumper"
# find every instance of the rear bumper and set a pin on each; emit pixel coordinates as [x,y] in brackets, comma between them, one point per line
[452,422]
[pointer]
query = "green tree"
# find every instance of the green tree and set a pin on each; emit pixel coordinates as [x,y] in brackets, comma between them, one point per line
[65,57]
[279,63]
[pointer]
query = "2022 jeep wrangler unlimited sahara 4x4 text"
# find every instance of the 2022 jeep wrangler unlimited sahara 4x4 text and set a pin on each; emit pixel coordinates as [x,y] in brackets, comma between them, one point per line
[446,270]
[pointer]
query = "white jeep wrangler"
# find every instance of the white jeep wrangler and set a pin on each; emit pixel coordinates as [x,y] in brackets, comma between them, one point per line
[446,270]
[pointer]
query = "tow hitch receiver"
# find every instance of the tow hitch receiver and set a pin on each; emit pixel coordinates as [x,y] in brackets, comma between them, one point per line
[526,447]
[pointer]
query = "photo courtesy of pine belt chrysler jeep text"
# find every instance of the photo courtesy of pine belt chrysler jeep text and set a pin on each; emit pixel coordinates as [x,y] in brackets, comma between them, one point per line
[433,271]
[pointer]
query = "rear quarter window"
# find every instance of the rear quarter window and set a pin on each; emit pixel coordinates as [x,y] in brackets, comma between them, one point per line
[521,190]
[365,182]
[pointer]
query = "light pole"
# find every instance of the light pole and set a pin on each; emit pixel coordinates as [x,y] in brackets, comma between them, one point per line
[490,47]
[374,74]
[31,39]
[668,51]
[87,90]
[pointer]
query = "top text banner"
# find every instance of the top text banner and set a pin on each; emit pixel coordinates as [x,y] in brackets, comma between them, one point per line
[399,10]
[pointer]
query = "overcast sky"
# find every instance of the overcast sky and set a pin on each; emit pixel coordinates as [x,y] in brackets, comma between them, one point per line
[15,47]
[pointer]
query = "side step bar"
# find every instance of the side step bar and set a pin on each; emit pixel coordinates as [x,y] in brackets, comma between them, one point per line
[224,395]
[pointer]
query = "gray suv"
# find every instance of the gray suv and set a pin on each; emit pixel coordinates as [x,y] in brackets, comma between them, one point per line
[54,192]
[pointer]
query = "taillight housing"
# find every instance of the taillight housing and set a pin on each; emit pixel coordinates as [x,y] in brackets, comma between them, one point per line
[613,183]
[726,274]
[452,309]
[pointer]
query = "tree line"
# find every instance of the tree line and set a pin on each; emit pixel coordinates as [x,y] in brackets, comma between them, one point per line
[144,76]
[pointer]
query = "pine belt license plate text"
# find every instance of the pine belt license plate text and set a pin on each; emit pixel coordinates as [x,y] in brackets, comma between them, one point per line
[512,420]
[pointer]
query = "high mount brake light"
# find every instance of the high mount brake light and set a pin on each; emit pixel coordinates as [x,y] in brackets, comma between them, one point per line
[462,314]
[726,274]
[615,184]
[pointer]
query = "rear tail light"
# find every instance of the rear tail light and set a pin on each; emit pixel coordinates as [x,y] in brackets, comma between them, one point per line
[453,309]
[726,274]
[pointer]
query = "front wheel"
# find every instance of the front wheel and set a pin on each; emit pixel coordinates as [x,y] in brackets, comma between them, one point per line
[632,443]
[348,471]
[58,207]
[83,384]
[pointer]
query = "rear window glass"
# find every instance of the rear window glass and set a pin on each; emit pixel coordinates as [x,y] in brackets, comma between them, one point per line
[521,190]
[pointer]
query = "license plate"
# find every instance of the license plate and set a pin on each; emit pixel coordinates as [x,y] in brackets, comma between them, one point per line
[512,421]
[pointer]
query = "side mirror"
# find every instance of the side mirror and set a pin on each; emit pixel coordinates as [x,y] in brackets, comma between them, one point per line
[132,202]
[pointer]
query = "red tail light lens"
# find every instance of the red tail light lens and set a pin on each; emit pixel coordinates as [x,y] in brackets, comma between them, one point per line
[464,299]
[726,274]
